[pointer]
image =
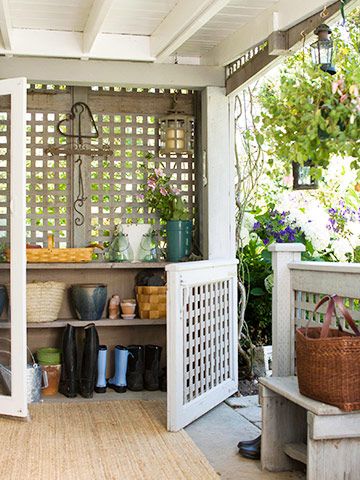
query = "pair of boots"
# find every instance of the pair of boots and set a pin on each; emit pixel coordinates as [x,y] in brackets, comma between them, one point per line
[135,367]
[118,381]
[144,367]
[69,384]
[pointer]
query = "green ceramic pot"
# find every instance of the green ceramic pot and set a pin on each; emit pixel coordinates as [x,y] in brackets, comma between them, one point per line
[48,356]
[179,236]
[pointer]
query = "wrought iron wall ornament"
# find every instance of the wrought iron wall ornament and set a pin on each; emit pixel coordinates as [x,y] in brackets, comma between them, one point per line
[79,148]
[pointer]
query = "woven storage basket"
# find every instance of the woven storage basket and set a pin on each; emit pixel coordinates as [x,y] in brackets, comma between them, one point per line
[328,361]
[43,301]
[56,255]
[151,302]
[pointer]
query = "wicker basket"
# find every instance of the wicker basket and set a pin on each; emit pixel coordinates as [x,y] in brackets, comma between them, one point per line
[327,361]
[56,255]
[43,301]
[151,302]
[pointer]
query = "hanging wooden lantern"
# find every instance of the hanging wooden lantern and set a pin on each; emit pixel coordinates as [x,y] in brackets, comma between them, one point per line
[176,132]
[302,179]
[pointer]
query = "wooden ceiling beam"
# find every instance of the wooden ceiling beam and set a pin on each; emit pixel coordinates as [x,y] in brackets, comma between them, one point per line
[5,24]
[184,20]
[97,16]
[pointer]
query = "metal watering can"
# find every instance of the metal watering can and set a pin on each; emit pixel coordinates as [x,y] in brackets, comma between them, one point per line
[36,379]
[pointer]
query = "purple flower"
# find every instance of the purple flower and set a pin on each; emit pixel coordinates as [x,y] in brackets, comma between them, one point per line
[266,241]
[257,225]
[163,192]
[140,196]
[159,173]
[175,191]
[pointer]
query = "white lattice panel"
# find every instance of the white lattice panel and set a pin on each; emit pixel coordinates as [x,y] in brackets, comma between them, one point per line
[4,173]
[128,122]
[206,337]
[305,303]
[202,338]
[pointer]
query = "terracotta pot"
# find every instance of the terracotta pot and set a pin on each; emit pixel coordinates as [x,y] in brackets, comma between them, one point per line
[128,308]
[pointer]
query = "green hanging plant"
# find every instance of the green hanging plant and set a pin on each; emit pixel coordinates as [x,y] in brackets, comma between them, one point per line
[311,115]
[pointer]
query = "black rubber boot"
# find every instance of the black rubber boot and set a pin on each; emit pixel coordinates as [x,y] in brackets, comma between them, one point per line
[152,367]
[163,380]
[251,448]
[135,370]
[89,362]
[68,383]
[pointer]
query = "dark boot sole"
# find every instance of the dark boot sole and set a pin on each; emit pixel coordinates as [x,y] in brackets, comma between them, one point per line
[117,388]
[100,389]
[250,456]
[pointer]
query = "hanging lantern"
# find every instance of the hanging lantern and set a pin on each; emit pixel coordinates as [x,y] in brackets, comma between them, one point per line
[176,132]
[322,50]
[302,179]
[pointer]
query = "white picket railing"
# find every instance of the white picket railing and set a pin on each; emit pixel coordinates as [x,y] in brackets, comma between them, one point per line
[201,337]
[298,286]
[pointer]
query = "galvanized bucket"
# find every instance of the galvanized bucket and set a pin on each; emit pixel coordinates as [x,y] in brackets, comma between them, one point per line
[34,378]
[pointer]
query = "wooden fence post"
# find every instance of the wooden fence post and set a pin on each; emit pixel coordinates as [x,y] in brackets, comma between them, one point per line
[282,302]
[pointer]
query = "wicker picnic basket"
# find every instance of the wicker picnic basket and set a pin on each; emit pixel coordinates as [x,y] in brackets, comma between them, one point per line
[151,302]
[56,255]
[43,301]
[328,360]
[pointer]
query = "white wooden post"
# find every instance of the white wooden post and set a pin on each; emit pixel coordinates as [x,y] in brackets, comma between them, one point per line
[219,171]
[282,302]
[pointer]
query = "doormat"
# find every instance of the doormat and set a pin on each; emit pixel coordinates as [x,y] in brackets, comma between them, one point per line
[124,439]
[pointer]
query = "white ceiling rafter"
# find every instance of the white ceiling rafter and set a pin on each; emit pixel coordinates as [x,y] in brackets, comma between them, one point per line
[286,15]
[51,43]
[5,24]
[97,16]
[185,19]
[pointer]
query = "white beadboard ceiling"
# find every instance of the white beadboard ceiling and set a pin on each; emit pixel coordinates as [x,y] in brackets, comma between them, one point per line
[142,30]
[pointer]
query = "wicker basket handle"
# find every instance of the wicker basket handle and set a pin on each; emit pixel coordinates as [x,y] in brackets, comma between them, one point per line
[331,310]
[51,241]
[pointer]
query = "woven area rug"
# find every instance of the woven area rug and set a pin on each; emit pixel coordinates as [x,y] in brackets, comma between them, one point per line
[123,439]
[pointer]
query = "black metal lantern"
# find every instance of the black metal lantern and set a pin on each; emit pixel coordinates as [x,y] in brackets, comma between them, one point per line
[302,179]
[322,50]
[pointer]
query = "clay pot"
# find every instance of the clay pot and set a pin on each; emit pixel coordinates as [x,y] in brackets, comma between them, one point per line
[128,306]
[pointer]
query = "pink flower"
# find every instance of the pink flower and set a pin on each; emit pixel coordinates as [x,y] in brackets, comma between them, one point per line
[151,184]
[163,192]
[159,172]
[140,196]
[343,97]
[175,191]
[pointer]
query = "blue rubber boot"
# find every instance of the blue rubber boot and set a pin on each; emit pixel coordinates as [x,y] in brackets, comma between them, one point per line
[118,381]
[100,386]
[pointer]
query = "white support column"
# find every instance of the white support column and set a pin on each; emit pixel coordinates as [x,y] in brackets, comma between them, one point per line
[219,172]
[282,307]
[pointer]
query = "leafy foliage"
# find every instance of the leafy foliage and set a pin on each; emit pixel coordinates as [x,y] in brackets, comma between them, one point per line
[310,114]
[161,196]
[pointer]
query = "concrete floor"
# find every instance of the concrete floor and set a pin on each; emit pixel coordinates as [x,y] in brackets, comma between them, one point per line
[217,434]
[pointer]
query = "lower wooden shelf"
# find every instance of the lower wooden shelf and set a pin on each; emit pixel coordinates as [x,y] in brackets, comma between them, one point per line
[104,322]
[297,451]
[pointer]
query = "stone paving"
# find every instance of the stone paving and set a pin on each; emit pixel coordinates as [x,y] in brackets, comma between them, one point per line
[218,432]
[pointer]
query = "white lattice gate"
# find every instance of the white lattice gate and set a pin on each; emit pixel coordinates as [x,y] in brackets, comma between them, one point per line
[201,338]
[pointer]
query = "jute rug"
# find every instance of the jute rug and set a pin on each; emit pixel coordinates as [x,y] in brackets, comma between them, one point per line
[123,439]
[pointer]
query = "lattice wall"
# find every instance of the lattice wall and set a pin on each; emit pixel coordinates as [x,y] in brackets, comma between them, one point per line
[207,360]
[128,122]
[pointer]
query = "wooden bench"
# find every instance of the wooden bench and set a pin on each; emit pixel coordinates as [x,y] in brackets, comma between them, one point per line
[296,428]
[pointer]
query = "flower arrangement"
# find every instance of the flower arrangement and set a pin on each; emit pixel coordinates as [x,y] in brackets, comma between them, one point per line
[161,195]
[273,226]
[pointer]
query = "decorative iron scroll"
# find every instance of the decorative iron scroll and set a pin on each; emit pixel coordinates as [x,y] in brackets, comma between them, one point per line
[79,148]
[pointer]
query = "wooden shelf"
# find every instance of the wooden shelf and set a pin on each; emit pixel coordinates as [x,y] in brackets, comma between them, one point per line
[89,266]
[297,451]
[104,322]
